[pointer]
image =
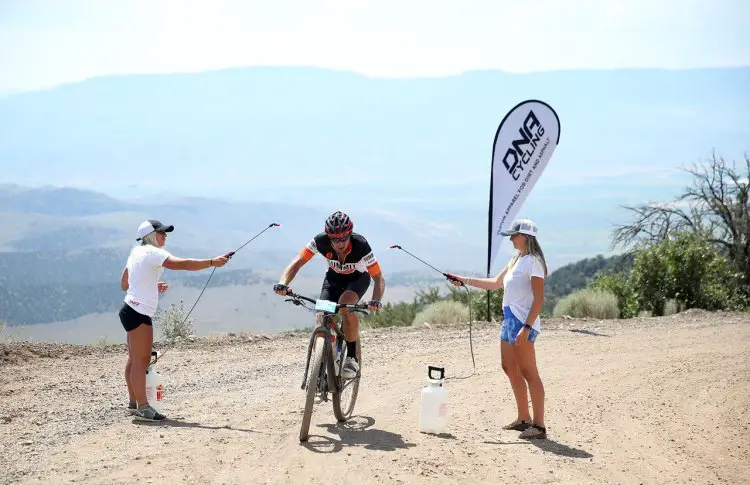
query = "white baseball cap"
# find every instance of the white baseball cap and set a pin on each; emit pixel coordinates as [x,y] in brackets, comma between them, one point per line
[521,226]
[150,226]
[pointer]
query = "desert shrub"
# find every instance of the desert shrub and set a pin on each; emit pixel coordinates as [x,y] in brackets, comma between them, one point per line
[443,312]
[172,323]
[588,303]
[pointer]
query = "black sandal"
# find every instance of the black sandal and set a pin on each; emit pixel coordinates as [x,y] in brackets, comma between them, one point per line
[534,432]
[518,425]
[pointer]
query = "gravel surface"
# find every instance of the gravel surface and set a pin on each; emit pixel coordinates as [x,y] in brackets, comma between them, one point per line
[646,400]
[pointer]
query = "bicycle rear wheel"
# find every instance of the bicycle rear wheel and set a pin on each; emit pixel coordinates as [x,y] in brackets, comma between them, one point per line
[313,374]
[345,396]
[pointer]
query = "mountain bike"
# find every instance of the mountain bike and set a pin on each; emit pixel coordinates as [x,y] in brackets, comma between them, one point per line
[325,359]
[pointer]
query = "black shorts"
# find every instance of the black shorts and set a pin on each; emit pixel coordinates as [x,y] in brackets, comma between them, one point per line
[335,286]
[131,319]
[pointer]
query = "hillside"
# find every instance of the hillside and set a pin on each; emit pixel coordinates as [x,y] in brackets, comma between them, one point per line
[42,287]
[205,224]
[575,276]
[68,247]
[234,407]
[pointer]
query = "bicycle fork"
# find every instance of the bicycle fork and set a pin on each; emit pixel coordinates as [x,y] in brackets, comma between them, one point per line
[329,339]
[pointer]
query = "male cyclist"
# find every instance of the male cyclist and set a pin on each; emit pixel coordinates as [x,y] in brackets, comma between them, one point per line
[351,264]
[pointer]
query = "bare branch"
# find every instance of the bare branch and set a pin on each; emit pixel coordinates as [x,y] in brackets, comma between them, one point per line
[716,205]
[653,223]
[710,187]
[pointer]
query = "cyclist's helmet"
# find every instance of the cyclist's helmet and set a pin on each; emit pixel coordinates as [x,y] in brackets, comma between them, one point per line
[339,225]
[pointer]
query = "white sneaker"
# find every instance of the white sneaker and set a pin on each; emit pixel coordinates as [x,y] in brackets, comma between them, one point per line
[351,368]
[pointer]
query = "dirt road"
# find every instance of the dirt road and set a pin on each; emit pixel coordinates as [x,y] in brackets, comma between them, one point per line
[663,400]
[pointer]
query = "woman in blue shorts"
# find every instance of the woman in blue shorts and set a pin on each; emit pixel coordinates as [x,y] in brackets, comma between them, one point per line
[523,282]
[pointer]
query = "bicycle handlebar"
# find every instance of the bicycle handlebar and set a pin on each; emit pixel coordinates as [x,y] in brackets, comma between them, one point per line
[300,297]
[355,307]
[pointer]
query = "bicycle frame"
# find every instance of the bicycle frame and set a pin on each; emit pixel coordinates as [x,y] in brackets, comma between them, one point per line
[331,330]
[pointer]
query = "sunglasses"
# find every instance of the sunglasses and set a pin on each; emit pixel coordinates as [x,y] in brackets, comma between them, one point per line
[340,239]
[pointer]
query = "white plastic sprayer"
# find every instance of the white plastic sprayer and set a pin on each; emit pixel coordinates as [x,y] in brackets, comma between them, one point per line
[154,385]
[433,412]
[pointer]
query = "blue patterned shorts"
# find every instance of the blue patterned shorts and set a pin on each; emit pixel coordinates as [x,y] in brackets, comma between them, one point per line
[511,327]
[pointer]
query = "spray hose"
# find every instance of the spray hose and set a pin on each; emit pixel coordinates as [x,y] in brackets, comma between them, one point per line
[468,299]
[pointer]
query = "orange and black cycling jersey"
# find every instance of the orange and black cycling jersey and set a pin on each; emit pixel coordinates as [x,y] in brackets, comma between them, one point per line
[359,257]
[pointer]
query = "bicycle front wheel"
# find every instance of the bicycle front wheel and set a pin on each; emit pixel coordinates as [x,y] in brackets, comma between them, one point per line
[313,374]
[345,396]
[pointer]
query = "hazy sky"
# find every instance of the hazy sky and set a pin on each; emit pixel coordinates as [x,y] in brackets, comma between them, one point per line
[47,42]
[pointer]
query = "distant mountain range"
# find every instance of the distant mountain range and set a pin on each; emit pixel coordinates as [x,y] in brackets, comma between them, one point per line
[65,220]
[64,250]
[414,151]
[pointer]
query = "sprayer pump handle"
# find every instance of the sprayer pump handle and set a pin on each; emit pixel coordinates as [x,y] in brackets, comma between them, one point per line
[433,368]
